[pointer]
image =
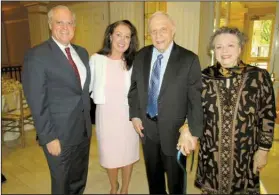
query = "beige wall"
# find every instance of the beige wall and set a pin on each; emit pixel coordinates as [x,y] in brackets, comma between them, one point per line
[133,11]
[206,30]
[38,23]
[193,25]
[92,19]
[186,15]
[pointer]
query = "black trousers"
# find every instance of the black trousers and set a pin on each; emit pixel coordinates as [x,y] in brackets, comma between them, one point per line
[156,164]
[69,170]
[92,110]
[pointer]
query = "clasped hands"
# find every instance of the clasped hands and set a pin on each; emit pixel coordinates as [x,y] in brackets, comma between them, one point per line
[260,160]
[186,142]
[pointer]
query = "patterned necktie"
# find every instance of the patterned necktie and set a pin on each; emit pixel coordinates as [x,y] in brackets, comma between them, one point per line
[153,92]
[67,49]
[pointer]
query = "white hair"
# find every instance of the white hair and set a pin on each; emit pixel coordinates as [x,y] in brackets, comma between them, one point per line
[158,13]
[50,13]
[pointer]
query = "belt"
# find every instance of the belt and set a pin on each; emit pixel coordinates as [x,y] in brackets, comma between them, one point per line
[155,118]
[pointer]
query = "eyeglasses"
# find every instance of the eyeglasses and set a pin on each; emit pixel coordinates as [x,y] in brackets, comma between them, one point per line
[160,31]
[61,23]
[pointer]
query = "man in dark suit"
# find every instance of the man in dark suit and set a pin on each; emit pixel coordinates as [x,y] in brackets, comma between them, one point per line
[165,92]
[56,79]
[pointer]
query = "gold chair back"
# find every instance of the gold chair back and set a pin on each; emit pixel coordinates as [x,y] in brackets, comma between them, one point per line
[14,120]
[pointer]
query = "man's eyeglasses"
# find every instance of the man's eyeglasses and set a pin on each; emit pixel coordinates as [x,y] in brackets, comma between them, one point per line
[160,31]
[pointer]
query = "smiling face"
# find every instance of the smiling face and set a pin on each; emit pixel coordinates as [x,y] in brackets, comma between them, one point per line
[227,49]
[120,39]
[62,25]
[162,32]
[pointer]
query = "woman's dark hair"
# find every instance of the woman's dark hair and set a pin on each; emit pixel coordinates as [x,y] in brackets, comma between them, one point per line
[129,54]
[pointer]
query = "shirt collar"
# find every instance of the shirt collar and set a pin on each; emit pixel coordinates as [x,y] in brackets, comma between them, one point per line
[165,53]
[61,46]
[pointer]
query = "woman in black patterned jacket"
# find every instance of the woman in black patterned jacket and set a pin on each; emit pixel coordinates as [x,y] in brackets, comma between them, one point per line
[239,115]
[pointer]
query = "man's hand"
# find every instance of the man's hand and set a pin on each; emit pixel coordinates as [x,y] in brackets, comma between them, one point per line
[54,147]
[138,126]
[260,160]
[186,142]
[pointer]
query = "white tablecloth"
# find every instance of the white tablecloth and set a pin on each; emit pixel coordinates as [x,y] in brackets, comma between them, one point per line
[11,101]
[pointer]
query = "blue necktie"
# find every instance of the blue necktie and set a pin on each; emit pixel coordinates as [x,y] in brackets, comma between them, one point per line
[153,91]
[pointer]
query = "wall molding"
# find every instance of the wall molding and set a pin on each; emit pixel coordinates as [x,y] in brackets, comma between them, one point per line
[16,21]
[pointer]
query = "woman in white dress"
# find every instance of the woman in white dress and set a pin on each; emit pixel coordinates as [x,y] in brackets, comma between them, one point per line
[118,142]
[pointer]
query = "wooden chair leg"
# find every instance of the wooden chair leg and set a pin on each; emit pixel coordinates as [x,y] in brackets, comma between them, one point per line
[2,133]
[22,133]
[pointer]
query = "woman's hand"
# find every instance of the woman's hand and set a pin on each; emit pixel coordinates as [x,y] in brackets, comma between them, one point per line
[260,160]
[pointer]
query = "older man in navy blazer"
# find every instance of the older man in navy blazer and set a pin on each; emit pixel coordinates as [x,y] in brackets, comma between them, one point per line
[165,91]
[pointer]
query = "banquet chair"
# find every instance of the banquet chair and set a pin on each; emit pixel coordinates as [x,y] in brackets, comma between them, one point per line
[14,120]
[12,72]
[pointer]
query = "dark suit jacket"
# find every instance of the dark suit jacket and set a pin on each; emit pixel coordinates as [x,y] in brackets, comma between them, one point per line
[59,106]
[179,97]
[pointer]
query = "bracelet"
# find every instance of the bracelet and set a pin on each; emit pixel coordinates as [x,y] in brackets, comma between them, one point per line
[264,149]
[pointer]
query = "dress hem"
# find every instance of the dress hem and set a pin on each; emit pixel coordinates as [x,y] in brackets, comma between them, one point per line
[119,166]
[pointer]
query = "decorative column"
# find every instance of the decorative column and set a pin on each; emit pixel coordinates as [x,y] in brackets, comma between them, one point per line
[149,9]
[218,8]
[38,21]
[228,13]
[206,30]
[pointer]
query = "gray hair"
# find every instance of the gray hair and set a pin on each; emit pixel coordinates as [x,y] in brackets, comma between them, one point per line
[242,38]
[50,13]
[163,14]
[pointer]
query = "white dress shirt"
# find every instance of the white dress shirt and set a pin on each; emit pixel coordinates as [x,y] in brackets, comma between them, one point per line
[80,66]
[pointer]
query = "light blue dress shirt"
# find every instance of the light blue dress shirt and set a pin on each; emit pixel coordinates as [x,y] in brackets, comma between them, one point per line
[164,62]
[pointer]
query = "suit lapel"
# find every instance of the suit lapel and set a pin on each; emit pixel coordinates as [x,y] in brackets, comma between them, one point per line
[146,68]
[80,55]
[173,66]
[63,61]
